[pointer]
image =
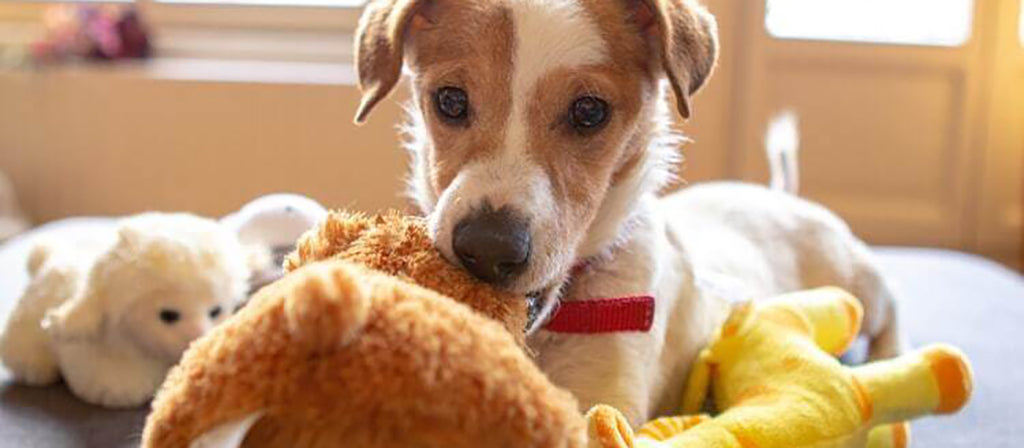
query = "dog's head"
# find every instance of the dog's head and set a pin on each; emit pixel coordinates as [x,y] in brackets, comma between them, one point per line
[532,118]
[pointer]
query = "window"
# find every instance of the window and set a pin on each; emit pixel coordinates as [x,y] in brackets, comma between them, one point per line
[335,3]
[327,15]
[908,22]
[266,30]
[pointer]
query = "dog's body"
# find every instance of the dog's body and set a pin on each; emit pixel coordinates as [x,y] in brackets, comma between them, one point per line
[540,139]
[696,251]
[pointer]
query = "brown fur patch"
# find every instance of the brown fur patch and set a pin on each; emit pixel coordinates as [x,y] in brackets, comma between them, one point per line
[470,45]
[583,167]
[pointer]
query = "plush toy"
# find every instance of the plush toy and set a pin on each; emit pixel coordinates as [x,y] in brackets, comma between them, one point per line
[773,375]
[112,317]
[362,345]
[269,227]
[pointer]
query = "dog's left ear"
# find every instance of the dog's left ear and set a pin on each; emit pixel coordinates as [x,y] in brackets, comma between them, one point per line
[380,39]
[684,37]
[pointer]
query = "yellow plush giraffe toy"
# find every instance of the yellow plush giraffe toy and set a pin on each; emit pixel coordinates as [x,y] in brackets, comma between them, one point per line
[776,383]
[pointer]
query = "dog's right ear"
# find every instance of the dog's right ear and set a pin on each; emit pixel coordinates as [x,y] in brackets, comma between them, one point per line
[380,42]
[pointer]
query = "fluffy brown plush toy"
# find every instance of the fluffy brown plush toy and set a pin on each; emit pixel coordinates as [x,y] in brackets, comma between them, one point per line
[346,350]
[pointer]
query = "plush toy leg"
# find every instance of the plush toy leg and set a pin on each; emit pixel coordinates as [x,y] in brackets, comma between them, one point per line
[697,385]
[936,379]
[895,435]
[832,315]
[608,428]
[667,427]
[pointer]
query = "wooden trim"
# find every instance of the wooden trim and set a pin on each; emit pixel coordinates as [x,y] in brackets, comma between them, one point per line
[319,18]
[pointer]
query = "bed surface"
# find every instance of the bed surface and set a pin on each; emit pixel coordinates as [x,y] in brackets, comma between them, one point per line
[945,296]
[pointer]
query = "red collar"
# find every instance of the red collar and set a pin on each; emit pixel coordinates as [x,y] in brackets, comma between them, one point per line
[602,315]
[595,316]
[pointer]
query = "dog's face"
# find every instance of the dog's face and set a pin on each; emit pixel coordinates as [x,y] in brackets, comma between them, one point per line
[531,117]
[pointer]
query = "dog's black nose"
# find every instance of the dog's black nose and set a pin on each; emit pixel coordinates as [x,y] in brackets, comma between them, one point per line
[494,246]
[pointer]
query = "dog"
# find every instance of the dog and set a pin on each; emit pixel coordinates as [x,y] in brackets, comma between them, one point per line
[113,315]
[540,139]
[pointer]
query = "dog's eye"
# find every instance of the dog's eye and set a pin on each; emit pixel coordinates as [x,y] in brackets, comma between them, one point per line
[452,103]
[215,312]
[588,113]
[169,316]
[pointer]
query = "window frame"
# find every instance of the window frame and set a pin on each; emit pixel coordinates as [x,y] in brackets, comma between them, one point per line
[268,17]
[275,17]
[959,42]
[1020,23]
[292,33]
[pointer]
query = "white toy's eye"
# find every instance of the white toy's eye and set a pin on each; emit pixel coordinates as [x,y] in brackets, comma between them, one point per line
[215,312]
[169,316]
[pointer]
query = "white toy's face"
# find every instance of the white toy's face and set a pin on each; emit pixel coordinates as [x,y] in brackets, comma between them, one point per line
[167,321]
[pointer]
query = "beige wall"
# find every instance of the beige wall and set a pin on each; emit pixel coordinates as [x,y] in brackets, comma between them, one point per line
[90,140]
[87,141]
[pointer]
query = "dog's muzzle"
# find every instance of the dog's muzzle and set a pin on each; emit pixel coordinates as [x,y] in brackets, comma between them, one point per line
[493,245]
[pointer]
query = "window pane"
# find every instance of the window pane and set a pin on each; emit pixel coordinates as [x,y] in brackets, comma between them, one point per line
[915,22]
[343,3]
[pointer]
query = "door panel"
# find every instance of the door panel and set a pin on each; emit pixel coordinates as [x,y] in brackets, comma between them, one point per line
[911,144]
[860,158]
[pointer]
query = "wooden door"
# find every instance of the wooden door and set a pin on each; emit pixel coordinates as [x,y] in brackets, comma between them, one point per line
[998,183]
[914,134]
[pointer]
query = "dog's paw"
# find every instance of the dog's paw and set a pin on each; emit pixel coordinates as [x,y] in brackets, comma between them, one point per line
[28,358]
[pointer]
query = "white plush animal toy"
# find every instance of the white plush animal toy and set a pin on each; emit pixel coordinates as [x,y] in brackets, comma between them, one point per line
[271,224]
[112,322]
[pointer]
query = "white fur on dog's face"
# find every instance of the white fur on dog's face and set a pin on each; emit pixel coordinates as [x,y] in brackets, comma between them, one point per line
[523,64]
[170,279]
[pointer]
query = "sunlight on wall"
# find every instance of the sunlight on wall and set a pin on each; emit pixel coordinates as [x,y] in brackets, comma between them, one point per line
[914,22]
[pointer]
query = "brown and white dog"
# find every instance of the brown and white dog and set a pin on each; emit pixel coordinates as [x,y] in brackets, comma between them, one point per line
[540,138]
